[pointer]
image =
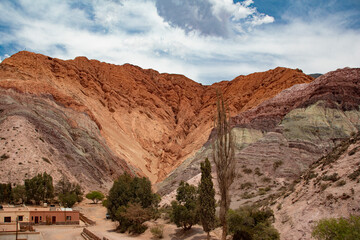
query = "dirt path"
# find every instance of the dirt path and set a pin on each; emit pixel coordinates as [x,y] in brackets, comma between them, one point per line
[106,228]
[60,232]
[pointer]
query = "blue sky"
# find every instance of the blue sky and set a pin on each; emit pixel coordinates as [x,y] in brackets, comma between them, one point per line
[206,40]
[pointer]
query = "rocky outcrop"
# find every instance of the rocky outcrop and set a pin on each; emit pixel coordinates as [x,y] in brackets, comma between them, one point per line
[153,121]
[330,189]
[337,90]
[278,140]
[37,135]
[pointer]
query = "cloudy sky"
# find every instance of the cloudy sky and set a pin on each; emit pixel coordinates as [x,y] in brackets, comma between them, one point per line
[206,40]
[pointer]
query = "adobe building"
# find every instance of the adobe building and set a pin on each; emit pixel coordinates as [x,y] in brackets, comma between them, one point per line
[9,214]
[41,216]
[9,228]
[59,216]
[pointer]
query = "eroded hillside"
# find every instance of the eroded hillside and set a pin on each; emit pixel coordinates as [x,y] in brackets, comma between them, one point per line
[330,189]
[153,121]
[278,140]
[38,135]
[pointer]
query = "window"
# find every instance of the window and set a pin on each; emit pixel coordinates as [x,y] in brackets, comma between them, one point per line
[7,219]
[68,217]
[21,218]
[40,218]
[32,218]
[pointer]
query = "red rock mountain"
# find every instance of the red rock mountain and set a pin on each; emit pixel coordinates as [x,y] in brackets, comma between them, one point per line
[152,121]
[280,138]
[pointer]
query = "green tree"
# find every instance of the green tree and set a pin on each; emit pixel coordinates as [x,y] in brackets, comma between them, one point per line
[135,215]
[184,210]
[125,192]
[19,194]
[68,199]
[119,194]
[64,186]
[207,203]
[39,188]
[5,192]
[223,155]
[337,229]
[130,189]
[251,223]
[95,196]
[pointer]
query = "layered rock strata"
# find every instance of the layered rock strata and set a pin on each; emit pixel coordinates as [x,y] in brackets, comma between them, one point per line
[153,121]
[278,140]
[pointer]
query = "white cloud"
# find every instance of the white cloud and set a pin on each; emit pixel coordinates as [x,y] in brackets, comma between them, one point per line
[136,32]
[228,8]
[261,19]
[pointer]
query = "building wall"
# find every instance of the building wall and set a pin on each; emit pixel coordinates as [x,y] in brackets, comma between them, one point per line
[13,214]
[54,217]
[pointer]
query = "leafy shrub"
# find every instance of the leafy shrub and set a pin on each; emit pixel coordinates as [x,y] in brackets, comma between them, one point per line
[355,174]
[257,172]
[64,186]
[133,217]
[247,195]
[95,196]
[323,186]
[247,170]
[18,194]
[252,223]
[128,189]
[277,164]
[157,231]
[5,192]
[333,177]
[329,196]
[337,229]
[4,157]
[104,203]
[68,199]
[39,188]
[261,191]
[131,202]
[266,179]
[246,185]
[184,210]
[309,175]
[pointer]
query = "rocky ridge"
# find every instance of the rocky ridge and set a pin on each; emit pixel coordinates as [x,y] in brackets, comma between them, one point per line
[278,140]
[329,189]
[153,121]
[37,135]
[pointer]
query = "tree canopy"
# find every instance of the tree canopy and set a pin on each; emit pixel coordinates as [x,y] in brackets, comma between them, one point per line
[127,195]
[251,223]
[95,196]
[39,188]
[207,203]
[184,210]
[5,192]
[337,229]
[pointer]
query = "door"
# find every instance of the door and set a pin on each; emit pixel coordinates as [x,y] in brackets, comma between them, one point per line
[53,219]
[36,219]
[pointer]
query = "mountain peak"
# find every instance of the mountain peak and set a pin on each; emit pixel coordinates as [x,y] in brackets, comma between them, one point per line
[153,121]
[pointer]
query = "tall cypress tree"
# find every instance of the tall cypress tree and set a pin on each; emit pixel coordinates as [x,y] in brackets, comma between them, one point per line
[206,198]
[223,155]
